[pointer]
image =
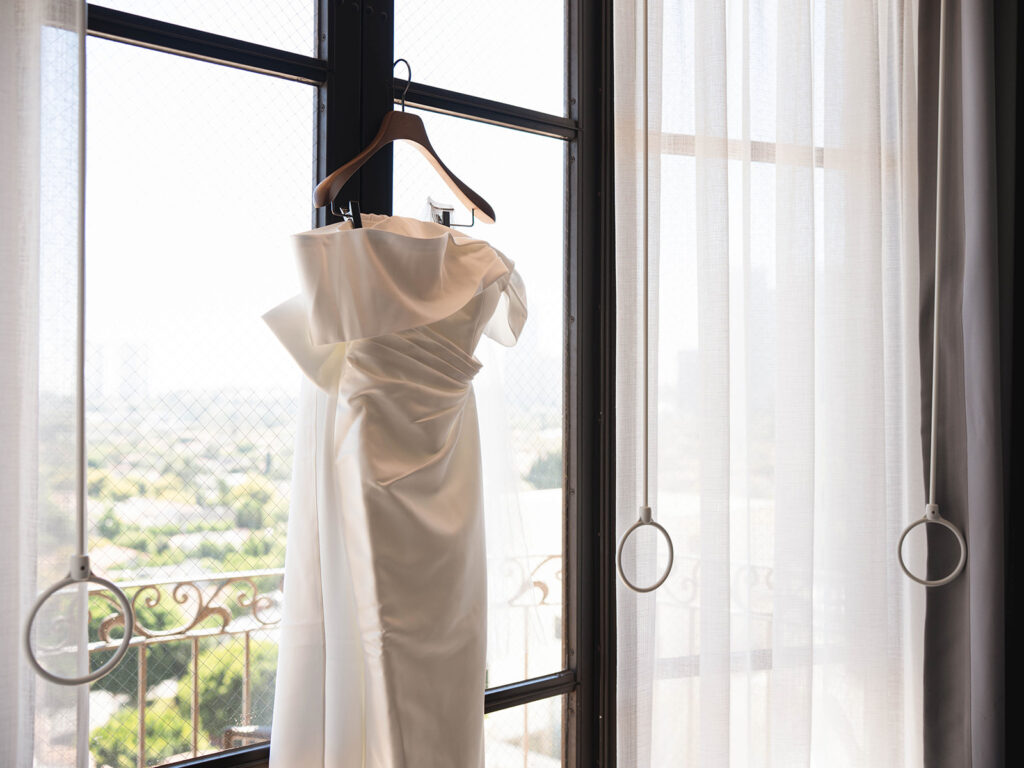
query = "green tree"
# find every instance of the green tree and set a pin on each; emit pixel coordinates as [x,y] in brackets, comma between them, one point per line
[261,550]
[170,488]
[101,484]
[109,525]
[546,471]
[184,467]
[222,682]
[212,549]
[257,546]
[168,733]
[250,515]
[133,538]
[254,501]
[96,481]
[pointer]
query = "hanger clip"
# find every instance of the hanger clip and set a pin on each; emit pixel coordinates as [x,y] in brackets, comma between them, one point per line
[441,213]
[352,213]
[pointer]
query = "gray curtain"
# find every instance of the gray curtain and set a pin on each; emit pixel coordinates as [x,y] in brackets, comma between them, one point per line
[964,664]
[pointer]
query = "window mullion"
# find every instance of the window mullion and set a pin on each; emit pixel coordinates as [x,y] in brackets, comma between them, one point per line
[195,43]
[377,99]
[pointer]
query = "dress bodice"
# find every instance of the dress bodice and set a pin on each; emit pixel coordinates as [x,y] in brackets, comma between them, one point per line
[425,283]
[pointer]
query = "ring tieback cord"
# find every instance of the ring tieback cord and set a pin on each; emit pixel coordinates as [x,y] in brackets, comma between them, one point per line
[931,509]
[80,571]
[646,517]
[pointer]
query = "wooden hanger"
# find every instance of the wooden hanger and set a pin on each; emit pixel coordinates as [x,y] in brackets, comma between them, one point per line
[403,126]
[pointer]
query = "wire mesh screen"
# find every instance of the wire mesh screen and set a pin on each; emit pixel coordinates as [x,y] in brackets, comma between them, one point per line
[529,736]
[198,175]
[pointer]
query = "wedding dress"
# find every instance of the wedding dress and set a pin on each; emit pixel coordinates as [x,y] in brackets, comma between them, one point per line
[383,634]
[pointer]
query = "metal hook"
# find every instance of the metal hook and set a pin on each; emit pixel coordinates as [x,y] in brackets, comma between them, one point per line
[408,80]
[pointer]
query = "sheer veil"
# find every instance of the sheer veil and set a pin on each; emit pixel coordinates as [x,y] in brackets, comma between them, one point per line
[513,616]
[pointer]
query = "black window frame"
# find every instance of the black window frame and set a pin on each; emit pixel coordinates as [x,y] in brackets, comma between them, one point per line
[356,87]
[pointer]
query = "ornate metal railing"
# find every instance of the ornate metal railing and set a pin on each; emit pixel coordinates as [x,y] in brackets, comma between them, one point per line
[246,603]
[238,604]
[225,604]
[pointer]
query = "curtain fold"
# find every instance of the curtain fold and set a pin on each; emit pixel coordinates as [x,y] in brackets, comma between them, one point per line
[785,383]
[40,724]
[964,689]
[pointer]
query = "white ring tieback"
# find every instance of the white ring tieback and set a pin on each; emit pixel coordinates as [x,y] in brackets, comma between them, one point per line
[932,516]
[645,519]
[80,572]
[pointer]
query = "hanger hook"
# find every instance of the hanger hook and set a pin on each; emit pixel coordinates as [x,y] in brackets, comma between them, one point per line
[408,80]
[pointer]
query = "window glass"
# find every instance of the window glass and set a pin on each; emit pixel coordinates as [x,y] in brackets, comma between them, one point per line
[523,177]
[286,24]
[198,174]
[529,736]
[510,52]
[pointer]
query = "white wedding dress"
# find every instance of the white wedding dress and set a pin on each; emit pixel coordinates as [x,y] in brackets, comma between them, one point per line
[383,637]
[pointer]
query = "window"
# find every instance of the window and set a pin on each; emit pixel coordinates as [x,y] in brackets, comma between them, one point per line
[225,125]
[190,406]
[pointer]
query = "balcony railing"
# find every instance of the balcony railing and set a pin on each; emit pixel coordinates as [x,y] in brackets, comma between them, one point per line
[224,605]
[243,606]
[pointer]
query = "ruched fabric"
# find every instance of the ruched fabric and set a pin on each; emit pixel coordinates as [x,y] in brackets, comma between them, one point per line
[383,637]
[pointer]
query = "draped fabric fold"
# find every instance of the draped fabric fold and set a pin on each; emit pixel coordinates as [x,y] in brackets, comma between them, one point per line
[785,382]
[965,661]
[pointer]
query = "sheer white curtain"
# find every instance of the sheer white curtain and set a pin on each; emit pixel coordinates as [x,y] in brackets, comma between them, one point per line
[40,724]
[785,415]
